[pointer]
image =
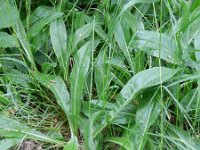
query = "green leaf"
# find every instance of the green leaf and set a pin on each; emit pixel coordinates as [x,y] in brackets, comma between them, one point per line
[189,101]
[3,100]
[133,2]
[40,12]
[82,33]
[72,144]
[93,107]
[197,46]
[142,80]
[23,81]
[191,27]
[181,138]
[122,141]
[87,128]
[57,87]
[135,136]
[121,41]
[58,35]
[146,115]
[8,15]
[14,61]
[21,35]
[102,75]
[7,143]
[77,79]
[7,40]
[10,128]
[43,21]
[151,43]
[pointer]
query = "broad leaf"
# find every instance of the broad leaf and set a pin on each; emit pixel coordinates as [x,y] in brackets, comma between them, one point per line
[82,33]
[197,46]
[122,141]
[7,40]
[77,78]
[58,88]
[9,15]
[43,21]
[87,128]
[182,139]
[133,2]
[58,35]
[7,143]
[72,144]
[142,80]
[192,26]
[10,128]
[121,41]
[21,35]
[146,115]
[152,42]
[102,75]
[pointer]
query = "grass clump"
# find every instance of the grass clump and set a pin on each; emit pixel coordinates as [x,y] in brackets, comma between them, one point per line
[98,75]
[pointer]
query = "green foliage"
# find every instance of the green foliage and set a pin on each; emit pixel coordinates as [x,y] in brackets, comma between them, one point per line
[119,74]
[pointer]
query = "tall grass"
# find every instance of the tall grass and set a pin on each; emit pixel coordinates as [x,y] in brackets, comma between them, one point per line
[98,75]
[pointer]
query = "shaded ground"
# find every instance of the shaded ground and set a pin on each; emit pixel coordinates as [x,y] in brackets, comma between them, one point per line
[30,145]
